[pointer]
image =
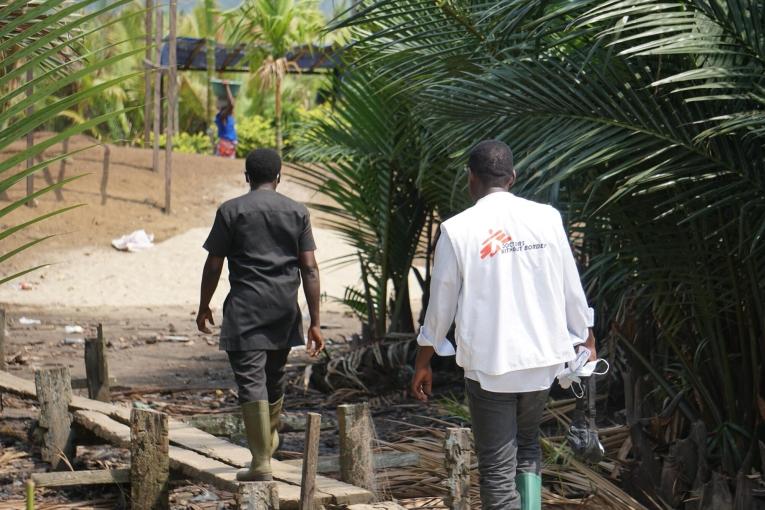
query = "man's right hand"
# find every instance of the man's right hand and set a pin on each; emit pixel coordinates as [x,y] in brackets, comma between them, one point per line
[204,315]
[422,383]
[590,344]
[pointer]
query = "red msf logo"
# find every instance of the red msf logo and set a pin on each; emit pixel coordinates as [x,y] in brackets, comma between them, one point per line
[494,243]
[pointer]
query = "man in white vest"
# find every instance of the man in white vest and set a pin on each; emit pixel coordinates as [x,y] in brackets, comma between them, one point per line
[504,271]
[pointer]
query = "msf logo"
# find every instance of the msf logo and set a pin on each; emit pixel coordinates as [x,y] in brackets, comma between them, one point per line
[494,243]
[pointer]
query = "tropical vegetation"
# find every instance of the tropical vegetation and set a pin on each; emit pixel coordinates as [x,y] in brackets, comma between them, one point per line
[643,121]
[51,43]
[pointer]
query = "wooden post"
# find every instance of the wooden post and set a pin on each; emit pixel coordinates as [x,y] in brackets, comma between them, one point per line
[149,25]
[157,107]
[105,173]
[310,461]
[62,168]
[54,393]
[30,142]
[96,368]
[356,463]
[149,460]
[172,87]
[2,338]
[258,496]
[457,463]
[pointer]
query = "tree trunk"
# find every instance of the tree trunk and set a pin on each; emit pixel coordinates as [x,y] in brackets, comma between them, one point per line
[278,113]
[210,29]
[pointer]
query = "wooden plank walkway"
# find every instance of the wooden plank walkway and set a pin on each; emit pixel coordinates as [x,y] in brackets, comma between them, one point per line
[195,453]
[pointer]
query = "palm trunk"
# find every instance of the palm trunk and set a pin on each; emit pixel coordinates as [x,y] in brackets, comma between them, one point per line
[278,113]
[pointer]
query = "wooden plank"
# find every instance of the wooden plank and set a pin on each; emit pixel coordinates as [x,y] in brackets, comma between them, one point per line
[189,463]
[54,394]
[96,367]
[208,445]
[310,461]
[24,388]
[75,478]
[457,463]
[258,496]
[385,460]
[149,460]
[78,383]
[356,465]
[104,427]
[204,444]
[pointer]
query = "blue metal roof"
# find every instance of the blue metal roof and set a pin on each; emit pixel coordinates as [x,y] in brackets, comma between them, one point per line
[192,56]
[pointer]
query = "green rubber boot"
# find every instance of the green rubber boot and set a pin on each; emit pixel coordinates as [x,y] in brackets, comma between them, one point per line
[275,414]
[529,486]
[257,428]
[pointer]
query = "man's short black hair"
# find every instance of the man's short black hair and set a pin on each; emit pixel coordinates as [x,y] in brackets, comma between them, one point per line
[491,161]
[263,165]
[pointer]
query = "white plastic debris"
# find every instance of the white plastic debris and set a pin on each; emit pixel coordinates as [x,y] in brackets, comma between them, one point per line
[74,341]
[25,321]
[73,330]
[175,338]
[135,241]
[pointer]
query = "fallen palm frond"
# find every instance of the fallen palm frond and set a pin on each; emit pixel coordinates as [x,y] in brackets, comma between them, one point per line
[369,367]
[567,480]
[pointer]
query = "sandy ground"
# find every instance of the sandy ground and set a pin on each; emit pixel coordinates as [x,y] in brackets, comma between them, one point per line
[85,271]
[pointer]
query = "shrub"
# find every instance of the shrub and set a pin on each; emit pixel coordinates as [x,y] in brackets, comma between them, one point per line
[189,143]
[253,132]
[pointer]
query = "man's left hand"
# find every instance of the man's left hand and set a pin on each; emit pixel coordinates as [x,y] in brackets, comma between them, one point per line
[315,343]
[204,315]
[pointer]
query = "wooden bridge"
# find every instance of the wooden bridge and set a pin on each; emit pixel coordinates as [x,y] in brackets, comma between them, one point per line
[193,452]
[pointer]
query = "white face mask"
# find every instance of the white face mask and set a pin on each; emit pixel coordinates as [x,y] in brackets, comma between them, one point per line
[570,376]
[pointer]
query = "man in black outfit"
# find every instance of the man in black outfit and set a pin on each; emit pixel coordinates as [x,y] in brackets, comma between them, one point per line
[268,241]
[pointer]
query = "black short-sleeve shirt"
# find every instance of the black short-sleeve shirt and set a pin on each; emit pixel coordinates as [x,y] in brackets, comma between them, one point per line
[261,234]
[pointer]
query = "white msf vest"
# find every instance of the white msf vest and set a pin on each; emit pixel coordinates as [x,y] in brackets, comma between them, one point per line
[521,303]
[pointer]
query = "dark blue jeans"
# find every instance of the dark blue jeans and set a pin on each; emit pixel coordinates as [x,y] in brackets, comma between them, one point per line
[506,433]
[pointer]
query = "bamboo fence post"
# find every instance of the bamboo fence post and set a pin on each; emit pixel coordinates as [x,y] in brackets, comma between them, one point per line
[96,367]
[54,393]
[149,25]
[171,104]
[457,463]
[310,461]
[30,142]
[149,460]
[157,107]
[258,496]
[356,461]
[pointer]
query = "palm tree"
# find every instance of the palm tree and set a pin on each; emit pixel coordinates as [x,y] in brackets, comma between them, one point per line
[271,29]
[48,39]
[644,122]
